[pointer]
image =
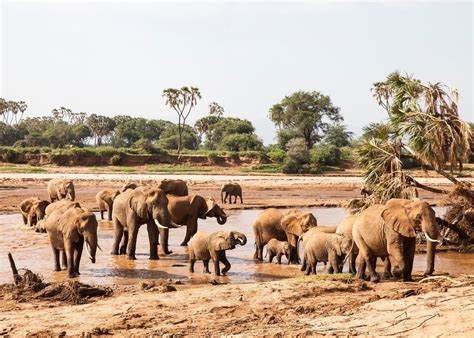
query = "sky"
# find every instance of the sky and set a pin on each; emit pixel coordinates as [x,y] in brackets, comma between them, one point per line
[115,58]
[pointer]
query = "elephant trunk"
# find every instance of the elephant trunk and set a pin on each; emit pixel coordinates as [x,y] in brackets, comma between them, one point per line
[430,257]
[91,247]
[240,237]
[222,196]
[221,219]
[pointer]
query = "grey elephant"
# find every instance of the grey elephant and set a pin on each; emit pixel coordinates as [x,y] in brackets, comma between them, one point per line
[324,247]
[229,190]
[174,187]
[33,210]
[389,231]
[59,189]
[345,228]
[105,200]
[133,208]
[62,205]
[295,224]
[186,210]
[204,246]
[276,248]
[68,231]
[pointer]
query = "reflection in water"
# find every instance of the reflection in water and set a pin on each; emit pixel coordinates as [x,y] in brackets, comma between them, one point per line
[32,250]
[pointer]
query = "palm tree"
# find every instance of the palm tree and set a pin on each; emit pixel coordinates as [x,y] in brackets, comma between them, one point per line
[182,101]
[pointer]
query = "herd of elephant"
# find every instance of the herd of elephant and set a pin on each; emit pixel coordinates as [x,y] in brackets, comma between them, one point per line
[387,231]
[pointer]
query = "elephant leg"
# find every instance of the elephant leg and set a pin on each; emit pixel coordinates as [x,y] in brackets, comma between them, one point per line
[279,258]
[314,266]
[430,257]
[191,265]
[57,266]
[333,264]
[409,246]
[77,257]
[270,257]
[153,239]
[217,270]
[226,262]
[374,277]
[352,263]
[387,273]
[69,248]
[330,269]
[260,253]
[241,200]
[165,233]
[63,260]
[361,265]
[303,265]
[132,242]
[101,214]
[235,199]
[123,246]
[118,229]
[308,268]
[110,213]
[206,266]
[191,229]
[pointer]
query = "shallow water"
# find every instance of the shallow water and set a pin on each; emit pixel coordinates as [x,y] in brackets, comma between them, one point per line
[32,250]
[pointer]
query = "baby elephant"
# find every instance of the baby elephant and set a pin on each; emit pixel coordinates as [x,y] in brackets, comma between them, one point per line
[105,199]
[204,246]
[278,248]
[324,247]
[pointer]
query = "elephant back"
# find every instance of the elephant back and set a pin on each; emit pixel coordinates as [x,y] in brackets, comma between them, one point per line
[199,246]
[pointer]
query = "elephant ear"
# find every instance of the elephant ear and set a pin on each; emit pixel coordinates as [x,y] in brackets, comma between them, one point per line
[69,224]
[26,206]
[222,241]
[291,224]
[43,204]
[138,203]
[396,218]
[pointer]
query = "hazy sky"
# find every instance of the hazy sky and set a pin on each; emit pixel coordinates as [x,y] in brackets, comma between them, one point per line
[117,57]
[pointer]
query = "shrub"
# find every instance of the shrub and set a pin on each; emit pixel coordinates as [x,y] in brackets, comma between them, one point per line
[115,159]
[292,167]
[9,155]
[213,157]
[325,154]
[297,151]
[277,155]
[240,142]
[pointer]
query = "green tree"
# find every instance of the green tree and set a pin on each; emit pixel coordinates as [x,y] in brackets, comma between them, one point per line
[338,135]
[182,102]
[224,127]
[100,126]
[308,114]
[241,142]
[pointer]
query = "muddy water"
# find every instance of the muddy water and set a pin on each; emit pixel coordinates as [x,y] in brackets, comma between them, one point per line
[32,250]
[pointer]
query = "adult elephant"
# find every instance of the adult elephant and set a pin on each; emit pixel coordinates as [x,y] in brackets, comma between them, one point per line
[174,187]
[186,210]
[389,231]
[132,208]
[59,189]
[33,210]
[231,190]
[68,231]
[203,246]
[296,224]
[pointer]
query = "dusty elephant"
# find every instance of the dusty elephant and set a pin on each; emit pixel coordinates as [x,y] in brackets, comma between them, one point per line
[68,231]
[296,224]
[324,247]
[229,190]
[268,226]
[276,248]
[129,185]
[389,231]
[59,189]
[133,208]
[33,210]
[174,187]
[203,246]
[186,210]
[345,228]
[61,204]
[105,200]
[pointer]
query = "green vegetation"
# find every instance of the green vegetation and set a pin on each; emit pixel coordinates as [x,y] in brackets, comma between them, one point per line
[263,168]
[21,169]
[175,168]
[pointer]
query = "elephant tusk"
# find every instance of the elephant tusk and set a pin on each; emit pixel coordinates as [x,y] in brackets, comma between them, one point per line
[159,225]
[433,240]
[88,249]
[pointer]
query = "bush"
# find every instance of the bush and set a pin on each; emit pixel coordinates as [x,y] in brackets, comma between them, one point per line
[325,154]
[297,151]
[277,155]
[9,155]
[240,142]
[115,159]
[213,157]
[292,167]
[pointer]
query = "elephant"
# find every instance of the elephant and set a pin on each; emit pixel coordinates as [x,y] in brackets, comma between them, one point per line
[174,187]
[324,247]
[278,248]
[204,246]
[105,199]
[128,185]
[345,228]
[33,210]
[268,226]
[61,204]
[59,189]
[296,224]
[185,210]
[68,231]
[231,189]
[133,208]
[389,231]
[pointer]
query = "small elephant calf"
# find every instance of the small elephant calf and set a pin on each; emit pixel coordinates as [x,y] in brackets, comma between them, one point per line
[324,247]
[278,248]
[204,246]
